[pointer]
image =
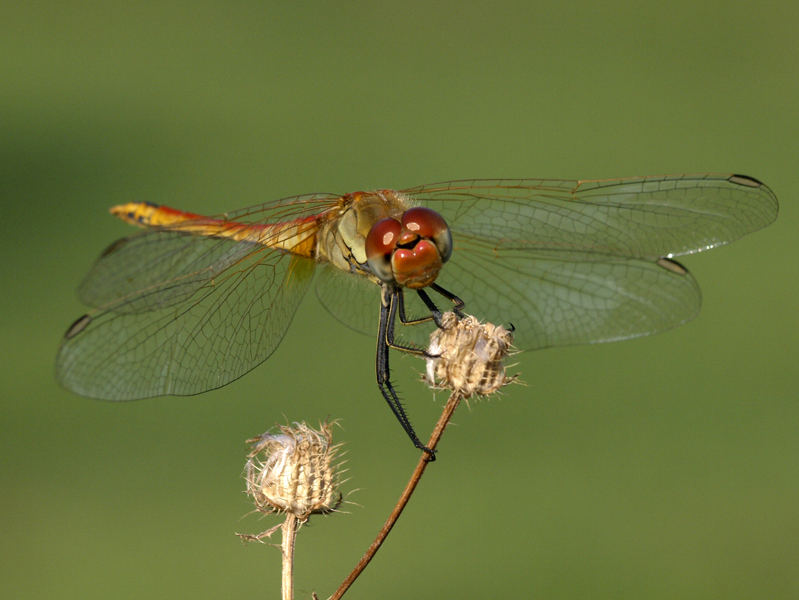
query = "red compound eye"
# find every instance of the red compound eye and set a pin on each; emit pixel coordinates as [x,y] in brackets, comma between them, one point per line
[429,224]
[423,221]
[380,243]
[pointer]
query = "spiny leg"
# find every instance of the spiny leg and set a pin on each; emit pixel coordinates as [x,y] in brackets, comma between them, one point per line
[435,314]
[398,307]
[388,312]
[456,301]
[403,317]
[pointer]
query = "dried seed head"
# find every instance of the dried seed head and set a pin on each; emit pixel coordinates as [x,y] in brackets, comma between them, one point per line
[468,355]
[294,471]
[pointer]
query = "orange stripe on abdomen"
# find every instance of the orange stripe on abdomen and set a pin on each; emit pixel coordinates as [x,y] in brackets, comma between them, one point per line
[297,236]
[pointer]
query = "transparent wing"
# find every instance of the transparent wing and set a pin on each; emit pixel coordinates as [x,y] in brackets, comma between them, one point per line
[648,217]
[555,302]
[352,300]
[577,262]
[159,267]
[355,302]
[214,335]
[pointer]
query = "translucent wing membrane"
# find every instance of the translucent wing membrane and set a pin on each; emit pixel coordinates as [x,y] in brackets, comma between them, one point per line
[549,301]
[285,209]
[577,262]
[353,301]
[164,266]
[226,327]
[647,217]
[555,302]
[157,269]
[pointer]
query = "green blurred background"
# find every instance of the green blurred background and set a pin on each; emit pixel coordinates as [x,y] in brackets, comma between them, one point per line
[664,467]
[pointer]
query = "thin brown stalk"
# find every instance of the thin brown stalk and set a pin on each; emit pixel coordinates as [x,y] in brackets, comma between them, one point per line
[287,550]
[443,420]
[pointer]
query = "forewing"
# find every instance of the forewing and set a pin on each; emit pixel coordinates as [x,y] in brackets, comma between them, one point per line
[162,267]
[648,217]
[157,269]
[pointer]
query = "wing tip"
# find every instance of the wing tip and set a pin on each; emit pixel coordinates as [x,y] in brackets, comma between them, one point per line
[769,198]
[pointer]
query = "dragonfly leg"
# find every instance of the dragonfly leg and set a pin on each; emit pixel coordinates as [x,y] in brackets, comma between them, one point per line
[456,301]
[398,307]
[387,316]
[403,318]
[435,314]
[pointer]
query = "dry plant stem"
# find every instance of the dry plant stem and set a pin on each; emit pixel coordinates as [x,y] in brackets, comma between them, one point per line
[287,547]
[443,420]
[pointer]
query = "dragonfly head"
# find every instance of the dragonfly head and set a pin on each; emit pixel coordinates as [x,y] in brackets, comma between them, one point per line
[409,251]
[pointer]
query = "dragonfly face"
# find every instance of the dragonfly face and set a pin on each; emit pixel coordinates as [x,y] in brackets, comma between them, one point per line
[409,252]
[194,302]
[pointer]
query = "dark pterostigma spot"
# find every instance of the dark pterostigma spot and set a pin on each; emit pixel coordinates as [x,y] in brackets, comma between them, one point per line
[672,265]
[745,180]
[114,246]
[78,326]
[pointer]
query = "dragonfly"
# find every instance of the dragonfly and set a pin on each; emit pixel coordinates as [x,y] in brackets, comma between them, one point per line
[194,302]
